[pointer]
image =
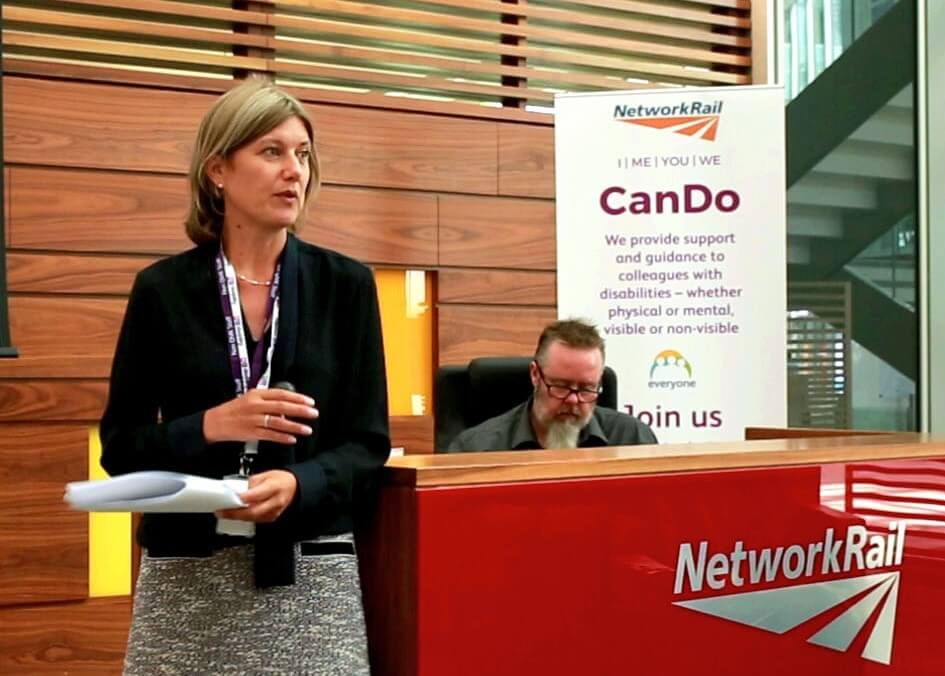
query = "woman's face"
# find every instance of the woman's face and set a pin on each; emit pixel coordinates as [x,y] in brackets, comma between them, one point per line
[264,182]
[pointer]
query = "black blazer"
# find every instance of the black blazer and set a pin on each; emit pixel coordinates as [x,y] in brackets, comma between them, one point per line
[171,365]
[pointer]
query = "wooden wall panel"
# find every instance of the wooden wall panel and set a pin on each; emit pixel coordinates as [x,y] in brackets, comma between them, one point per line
[14,65]
[526,160]
[48,122]
[65,326]
[72,274]
[57,365]
[375,226]
[62,337]
[137,129]
[403,150]
[85,638]
[104,211]
[467,331]
[497,232]
[43,544]
[414,433]
[499,287]
[52,400]
[73,210]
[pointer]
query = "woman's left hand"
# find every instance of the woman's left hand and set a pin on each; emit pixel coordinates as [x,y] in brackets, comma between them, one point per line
[268,495]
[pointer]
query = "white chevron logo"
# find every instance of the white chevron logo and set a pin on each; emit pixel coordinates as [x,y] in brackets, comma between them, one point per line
[780,610]
[867,600]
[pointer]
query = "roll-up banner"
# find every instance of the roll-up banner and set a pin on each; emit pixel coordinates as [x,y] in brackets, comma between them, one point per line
[671,238]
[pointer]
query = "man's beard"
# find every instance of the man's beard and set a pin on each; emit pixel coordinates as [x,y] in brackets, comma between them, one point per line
[563,433]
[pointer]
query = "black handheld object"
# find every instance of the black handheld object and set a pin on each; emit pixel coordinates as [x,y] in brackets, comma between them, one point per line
[271,454]
[274,562]
[248,460]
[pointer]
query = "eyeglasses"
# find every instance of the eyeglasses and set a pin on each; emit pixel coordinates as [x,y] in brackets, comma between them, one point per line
[585,395]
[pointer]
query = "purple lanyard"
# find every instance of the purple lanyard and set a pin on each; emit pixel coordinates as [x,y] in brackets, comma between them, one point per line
[246,374]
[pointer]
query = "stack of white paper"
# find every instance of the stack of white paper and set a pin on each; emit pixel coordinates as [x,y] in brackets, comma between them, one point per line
[152,492]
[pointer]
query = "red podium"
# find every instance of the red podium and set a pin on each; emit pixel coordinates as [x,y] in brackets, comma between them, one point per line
[812,556]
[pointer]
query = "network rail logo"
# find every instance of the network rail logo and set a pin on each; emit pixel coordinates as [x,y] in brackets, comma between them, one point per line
[699,119]
[845,606]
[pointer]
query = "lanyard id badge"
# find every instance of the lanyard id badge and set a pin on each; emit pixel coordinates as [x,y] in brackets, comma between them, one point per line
[247,373]
[246,529]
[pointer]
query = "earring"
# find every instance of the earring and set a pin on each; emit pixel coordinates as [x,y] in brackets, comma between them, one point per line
[219,186]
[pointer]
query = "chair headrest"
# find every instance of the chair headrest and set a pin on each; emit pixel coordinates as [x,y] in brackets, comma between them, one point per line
[497,384]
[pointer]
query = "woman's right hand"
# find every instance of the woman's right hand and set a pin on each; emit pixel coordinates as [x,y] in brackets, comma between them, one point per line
[261,414]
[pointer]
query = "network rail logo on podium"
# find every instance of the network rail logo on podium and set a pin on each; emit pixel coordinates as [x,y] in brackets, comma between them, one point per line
[699,119]
[854,603]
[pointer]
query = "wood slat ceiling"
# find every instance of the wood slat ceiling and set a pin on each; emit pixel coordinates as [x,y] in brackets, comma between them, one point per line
[489,52]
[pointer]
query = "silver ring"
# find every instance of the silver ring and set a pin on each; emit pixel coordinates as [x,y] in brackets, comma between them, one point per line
[266,421]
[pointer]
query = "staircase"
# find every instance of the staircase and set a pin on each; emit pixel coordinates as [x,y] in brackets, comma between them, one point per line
[851,185]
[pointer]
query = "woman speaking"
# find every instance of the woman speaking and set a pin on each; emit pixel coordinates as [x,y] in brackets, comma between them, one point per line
[257,356]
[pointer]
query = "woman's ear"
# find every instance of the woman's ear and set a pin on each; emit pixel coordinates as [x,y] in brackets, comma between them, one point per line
[214,169]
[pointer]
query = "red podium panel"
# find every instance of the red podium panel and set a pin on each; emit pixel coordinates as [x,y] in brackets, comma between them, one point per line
[827,568]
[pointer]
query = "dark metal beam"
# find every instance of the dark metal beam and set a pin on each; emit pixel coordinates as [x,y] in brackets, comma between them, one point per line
[861,228]
[6,349]
[884,326]
[873,70]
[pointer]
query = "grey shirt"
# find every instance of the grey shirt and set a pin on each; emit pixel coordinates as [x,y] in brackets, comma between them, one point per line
[513,431]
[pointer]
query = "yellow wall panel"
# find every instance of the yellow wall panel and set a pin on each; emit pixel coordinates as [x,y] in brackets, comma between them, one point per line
[407,319]
[109,539]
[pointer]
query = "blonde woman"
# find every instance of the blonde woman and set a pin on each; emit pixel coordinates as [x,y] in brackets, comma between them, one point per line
[206,335]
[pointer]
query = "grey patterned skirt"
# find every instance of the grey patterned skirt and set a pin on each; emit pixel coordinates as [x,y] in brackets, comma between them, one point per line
[205,616]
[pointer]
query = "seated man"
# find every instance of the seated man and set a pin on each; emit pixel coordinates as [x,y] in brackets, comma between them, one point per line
[562,411]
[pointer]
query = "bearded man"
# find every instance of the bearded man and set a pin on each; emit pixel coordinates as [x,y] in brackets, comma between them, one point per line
[562,411]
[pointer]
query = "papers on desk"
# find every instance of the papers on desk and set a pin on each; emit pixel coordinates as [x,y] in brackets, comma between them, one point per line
[152,492]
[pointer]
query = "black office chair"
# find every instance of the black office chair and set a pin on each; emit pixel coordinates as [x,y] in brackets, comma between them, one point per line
[464,396]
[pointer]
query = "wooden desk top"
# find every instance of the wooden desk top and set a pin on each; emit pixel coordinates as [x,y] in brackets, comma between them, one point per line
[512,466]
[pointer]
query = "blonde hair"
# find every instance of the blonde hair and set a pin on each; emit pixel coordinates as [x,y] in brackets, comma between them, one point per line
[240,116]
